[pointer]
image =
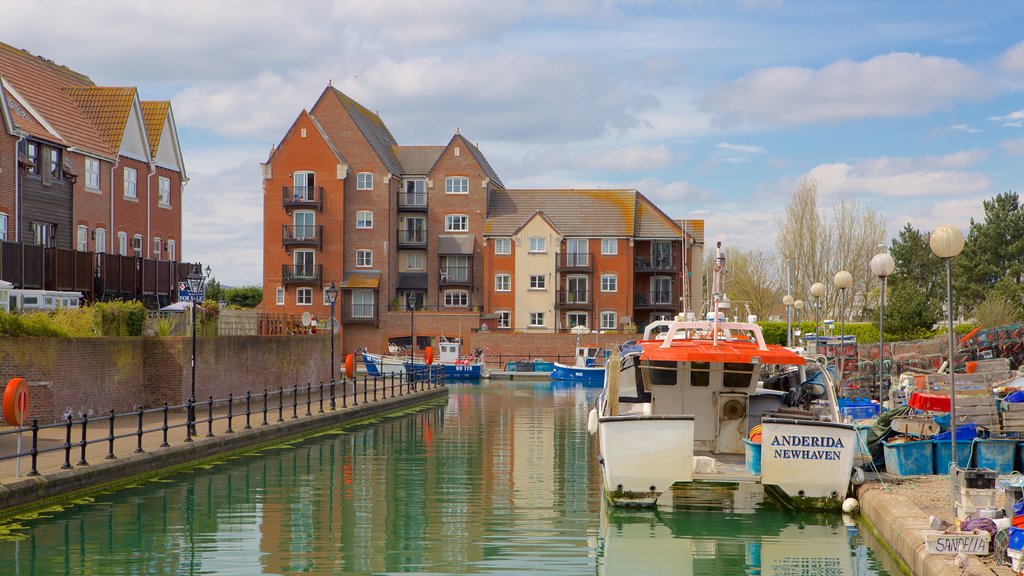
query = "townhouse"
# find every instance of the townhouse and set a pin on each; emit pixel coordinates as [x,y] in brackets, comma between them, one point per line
[91,184]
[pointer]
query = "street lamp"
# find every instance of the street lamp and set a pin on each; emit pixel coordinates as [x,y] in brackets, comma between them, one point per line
[332,297]
[196,282]
[946,242]
[842,280]
[798,305]
[882,265]
[788,301]
[817,291]
[411,303]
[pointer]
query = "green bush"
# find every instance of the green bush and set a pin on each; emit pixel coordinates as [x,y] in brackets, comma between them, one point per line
[30,324]
[120,318]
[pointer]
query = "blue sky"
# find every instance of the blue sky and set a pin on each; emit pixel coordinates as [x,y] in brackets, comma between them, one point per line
[714,109]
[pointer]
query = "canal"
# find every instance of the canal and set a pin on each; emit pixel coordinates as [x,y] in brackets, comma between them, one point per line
[499,479]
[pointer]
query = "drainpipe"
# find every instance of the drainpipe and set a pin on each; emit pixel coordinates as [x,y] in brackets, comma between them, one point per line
[149,186]
[17,189]
[113,232]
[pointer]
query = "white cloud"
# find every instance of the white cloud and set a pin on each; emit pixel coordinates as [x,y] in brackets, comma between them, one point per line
[964,128]
[1013,59]
[901,177]
[897,84]
[1013,147]
[636,157]
[745,148]
[1011,120]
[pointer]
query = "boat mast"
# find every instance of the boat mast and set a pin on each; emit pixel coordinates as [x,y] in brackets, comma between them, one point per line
[716,289]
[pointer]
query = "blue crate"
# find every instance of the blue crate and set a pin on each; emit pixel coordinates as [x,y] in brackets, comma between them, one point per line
[753,452]
[859,411]
[908,458]
[995,453]
[944,453]
[1016,539]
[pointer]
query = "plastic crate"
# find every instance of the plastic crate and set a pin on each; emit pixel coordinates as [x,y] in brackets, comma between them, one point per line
[944,454]
[995,454]
[753,459]
[859,411]
[510,366]
[972,500]
[908,458]
[525,366]
[543,366]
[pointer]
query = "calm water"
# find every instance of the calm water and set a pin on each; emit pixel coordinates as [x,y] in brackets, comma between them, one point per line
[499,480]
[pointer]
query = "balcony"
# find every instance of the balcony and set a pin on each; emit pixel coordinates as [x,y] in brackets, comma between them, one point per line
[664,264]
[574,262]
[657,300]
[352,313]
[455,276]
[574,299]
[303,197]
[302,273]
[412,238]
[302,235]
[412,201]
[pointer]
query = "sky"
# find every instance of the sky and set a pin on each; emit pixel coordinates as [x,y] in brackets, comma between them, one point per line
[714,109]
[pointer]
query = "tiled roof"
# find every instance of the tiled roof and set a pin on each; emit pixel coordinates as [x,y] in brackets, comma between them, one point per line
[589,213]
[108,108]
[374,130]
[483,163]
[651,222]
[694,229]
[154,112]
[417,160]
[40,82]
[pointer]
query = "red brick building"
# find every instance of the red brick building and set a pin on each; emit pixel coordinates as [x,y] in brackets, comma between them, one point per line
[87,169]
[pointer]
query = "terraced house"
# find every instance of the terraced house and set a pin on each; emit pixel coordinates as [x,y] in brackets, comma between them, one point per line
[433,229]
[91,184]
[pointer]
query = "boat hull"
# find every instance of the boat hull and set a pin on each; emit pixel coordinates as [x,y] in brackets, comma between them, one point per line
[471,371]
[643,456]
[377,365]
[585,374]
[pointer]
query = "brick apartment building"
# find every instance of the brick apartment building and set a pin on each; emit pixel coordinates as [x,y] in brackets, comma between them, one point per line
[391,225]
[94,171]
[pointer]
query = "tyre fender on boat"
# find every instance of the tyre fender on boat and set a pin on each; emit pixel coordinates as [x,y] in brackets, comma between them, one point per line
[350,366]
[592,421]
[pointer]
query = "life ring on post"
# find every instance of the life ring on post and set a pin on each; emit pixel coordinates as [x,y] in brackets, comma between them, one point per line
[428,355]
[16,401]
[350,366]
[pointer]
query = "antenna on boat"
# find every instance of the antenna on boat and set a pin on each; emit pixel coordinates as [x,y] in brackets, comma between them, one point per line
[719,300]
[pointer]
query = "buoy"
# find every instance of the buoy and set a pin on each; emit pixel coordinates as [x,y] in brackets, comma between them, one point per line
[592,421]
[851,506]
[857,478]
[16,401]
[350,366]
[428,355]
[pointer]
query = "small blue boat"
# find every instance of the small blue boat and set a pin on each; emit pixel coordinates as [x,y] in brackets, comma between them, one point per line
[456,366]
[589,366]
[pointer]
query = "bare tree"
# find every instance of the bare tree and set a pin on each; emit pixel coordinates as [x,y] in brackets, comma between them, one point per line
[815,248]
[753,282]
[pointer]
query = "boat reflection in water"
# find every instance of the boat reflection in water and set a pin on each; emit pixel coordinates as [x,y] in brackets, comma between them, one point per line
[768,543]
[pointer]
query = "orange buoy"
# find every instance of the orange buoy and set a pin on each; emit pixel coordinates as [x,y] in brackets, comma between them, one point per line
[428,355]
[16,401]
[350,366]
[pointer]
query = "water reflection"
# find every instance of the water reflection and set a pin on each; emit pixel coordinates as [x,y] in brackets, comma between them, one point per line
[501,479]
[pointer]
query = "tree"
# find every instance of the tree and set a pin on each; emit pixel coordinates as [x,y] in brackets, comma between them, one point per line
[213,291]
[993,256]
[815,248]
[916,288]
[752,281]
[244,296]
[996,310]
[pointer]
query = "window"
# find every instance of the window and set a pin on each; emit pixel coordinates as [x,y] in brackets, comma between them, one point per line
[165,190]
[304,296]
[3,227]
[502,245]
[363,304]
[280,296]
[456,298]
[137,245]
[122,243]
[44,234]
[364,181]
[304,187]
[171,247]
[456,223]
[157,249]
[92,174]
[502,282]
[538,282]
[305,225]
[83,238]
[54,163]
[537,244]
[536,319]
[412,230]
[455,268]
[608,320]
[32,153]
[305,266]
[609,246]
[504,319]
[661,290]
[130,183]
[364,258]
[327,302]
[578,289]
[101,241]
[456,185]
[364,219]
[609,283]
[417,261]
[574,319]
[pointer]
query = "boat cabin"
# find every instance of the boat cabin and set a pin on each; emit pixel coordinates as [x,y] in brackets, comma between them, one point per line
[587,356]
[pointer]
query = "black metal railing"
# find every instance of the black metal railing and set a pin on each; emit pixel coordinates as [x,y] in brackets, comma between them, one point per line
[580,261]
[412,237]
[574,299]
[454,275]
[653,299]
[355,313]
[415,201]
[302,235]
[301,273]
[655,264]
[261,409]
[303,197]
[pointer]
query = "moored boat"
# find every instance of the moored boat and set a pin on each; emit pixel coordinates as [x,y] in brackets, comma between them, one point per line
[673,420]
[450,358]
[379,364]
[589,366]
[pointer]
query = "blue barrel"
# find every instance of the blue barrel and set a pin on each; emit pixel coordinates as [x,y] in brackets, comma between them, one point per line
[753,453]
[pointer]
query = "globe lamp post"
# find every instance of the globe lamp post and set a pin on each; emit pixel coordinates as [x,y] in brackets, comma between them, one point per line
[788,301]
[842,280]
[882,265]
[947,242]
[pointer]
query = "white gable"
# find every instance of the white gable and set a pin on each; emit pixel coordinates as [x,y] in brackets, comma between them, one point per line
[134,143]
[167,149]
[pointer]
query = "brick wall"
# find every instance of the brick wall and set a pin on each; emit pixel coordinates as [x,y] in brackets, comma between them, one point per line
[93,375]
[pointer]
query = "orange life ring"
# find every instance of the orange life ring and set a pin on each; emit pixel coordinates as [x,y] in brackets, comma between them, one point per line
[16,401]
[428,355]
[350,366]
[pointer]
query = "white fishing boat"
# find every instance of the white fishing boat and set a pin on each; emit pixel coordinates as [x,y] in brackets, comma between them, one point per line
[379,364]
[675,416]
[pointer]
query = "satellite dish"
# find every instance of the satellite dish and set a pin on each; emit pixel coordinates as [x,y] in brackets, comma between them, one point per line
[306,319]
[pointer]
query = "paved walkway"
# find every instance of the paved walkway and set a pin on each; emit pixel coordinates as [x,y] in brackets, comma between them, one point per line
[51,441]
